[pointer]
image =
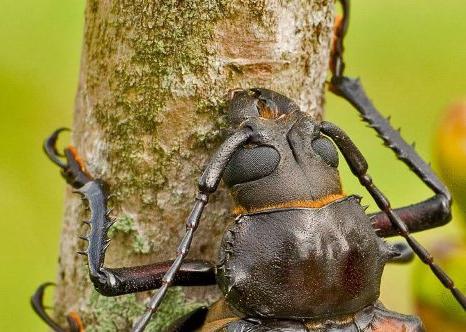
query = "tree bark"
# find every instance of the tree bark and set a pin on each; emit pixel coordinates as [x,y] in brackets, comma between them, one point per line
[150,112]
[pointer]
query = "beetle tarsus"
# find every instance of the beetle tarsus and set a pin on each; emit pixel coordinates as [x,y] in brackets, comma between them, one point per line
[337,65]
[50,148]
[72,167]
[37,303]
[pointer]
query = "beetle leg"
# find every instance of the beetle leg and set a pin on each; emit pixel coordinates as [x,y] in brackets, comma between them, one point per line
[73,170]
[37,303]
[337,65]
[50,148]
[118,281]
[358,166]
[433,212]
[353,92]
[208,184]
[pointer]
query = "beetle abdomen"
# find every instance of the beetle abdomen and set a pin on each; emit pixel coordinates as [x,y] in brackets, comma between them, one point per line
[302,263]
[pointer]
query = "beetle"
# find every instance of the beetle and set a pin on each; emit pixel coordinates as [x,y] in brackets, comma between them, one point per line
[300,255]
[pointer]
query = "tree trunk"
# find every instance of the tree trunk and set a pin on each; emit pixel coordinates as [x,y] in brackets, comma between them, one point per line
[150,112]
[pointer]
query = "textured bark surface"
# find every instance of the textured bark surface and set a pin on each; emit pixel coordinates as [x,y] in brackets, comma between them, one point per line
[149,113]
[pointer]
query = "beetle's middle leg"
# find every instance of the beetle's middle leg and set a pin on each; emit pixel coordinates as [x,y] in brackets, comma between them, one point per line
[115,281]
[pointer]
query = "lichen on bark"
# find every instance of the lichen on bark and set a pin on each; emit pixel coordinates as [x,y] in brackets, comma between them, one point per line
[112,314]
[150,111]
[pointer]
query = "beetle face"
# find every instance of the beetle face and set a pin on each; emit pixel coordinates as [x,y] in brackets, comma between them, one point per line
[257,103]
[287,162]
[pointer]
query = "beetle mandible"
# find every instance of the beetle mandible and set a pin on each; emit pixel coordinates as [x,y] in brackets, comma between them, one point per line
[300,255]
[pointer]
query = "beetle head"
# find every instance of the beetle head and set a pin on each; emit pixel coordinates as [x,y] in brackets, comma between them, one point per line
[257,103]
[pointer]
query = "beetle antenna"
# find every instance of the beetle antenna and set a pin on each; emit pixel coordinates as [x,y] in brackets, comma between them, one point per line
[208,184]
[358,166]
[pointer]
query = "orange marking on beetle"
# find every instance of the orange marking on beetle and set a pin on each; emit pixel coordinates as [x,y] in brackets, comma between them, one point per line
[337,28]
[217,325]
[77,157]
[291,204]
[77,320]
[219,315]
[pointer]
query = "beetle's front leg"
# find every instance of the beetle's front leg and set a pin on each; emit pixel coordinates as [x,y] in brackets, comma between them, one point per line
[125,280]
[109,281]
[115,281]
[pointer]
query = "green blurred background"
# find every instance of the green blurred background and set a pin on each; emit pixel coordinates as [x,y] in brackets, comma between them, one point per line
[411,56]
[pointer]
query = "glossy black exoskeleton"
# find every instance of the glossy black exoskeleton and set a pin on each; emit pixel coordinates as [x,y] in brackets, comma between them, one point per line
[301,230]
[300,255]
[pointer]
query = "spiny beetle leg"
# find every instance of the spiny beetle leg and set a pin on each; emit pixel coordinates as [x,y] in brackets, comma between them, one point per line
[430,213]
[125,280]
[433,212]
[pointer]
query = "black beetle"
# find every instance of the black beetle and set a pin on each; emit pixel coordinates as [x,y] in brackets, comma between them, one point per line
[300,255]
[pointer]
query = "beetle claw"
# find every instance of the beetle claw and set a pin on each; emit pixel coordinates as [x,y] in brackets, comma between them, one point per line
[50,148]
[71,164]
[37,303]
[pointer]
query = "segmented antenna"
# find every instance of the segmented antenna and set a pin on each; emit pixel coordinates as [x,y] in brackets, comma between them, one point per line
[358,166]
[191,225]
[208,184]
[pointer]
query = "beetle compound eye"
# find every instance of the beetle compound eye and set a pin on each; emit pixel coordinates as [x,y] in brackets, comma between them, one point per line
[326,150]
[251,164]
